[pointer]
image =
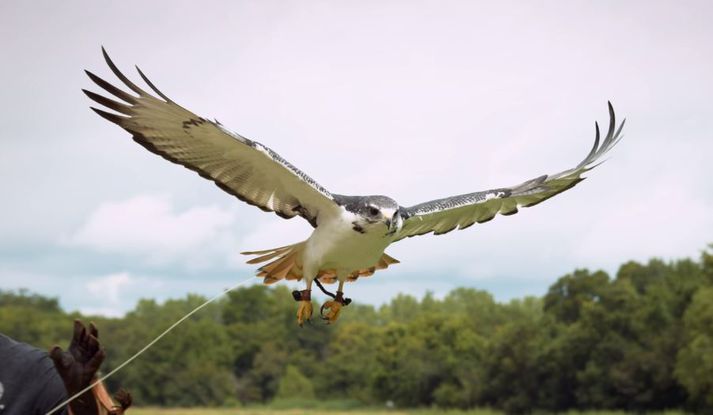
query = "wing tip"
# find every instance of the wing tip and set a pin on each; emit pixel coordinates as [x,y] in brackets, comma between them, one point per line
[116,119]
[151,85]
[120,75]
[111,88]
[114,105]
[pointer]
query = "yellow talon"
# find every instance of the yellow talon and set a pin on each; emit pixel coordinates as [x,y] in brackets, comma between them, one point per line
[304,312]
[334,308]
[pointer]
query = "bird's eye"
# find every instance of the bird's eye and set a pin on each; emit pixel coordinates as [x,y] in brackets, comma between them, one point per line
[373,211]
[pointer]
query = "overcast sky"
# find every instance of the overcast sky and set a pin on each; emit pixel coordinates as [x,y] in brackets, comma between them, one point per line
[412,99]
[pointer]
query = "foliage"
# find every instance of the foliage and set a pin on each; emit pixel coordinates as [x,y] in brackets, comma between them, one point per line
[641,340]
[329,411]
[695,359]
[294,385]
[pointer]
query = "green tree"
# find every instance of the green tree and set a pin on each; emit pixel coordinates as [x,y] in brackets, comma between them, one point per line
[641,341]
[178,369]
[694,367]
[34,319]
[294,386]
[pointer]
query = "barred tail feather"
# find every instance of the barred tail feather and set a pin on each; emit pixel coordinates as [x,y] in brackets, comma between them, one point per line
[329,276]
[285,263]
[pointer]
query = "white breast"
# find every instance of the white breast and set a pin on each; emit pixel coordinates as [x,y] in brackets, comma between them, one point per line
[334,244]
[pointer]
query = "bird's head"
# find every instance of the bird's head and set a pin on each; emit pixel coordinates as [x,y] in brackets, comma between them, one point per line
[375,214]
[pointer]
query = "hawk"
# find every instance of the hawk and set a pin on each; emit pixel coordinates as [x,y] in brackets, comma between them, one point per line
[350,233]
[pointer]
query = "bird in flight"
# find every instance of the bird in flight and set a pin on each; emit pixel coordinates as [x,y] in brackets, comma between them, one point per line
[350,232]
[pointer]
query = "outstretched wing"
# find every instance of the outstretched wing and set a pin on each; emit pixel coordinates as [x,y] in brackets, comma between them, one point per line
[242,167]
[443,215]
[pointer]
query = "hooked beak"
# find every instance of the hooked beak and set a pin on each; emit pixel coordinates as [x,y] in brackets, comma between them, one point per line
[394,224]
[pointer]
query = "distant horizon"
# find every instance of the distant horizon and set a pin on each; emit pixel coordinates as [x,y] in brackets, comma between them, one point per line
[319,296]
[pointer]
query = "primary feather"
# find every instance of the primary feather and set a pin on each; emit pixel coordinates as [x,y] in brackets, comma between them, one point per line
[444,215]
[240,166]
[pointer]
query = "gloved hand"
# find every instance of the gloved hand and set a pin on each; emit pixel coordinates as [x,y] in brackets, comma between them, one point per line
[78,367]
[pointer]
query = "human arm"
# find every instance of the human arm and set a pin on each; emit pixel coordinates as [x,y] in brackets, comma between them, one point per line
[78,365]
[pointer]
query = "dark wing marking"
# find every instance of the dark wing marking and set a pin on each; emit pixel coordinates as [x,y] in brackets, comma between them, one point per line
[242,167]
[443,215]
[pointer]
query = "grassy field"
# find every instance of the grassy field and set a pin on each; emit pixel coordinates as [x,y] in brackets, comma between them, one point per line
[263,411]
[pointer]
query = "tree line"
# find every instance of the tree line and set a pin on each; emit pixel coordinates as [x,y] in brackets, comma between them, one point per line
[641,340]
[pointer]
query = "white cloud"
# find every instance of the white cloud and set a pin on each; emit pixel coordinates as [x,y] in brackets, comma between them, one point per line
[148,226]
[666,222]
[109,287]
[273,232]
[114,294]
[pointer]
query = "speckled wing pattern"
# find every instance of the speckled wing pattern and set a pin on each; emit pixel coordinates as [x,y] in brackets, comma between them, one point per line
[242,167]
[444,215]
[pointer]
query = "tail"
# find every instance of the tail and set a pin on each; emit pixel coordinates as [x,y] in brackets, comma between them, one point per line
[329,276]
[286,263]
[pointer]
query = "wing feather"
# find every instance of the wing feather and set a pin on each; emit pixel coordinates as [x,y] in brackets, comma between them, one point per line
[444,215]
[242,167]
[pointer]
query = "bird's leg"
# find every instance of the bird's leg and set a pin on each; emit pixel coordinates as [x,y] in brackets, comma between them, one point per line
[304,297]
[334,306]
[324,290]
